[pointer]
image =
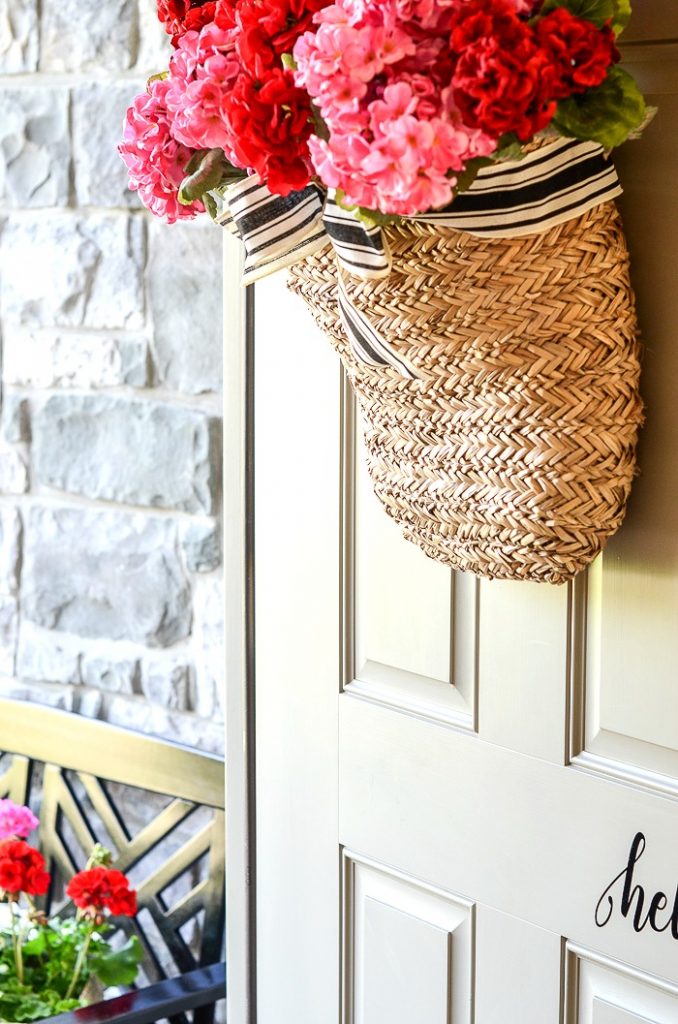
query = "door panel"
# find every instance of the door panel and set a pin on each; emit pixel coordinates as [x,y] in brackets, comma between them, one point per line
[411,624]
[608,993]
[534,840]
[629,665]
[408,952]
[524,667]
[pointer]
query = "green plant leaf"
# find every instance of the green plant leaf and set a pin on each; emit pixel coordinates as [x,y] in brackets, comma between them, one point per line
[159,77]
[597,11]
[120,966]
[600,12]
[36,945]
[607,114]
[466,177]
[622,16]
[206,174]
[25,1003]
[509,148]
[211,205]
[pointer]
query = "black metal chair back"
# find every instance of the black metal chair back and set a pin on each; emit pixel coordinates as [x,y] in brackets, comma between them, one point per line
[157,805]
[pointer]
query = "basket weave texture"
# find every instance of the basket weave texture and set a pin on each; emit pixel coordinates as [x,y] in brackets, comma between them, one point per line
[512,456]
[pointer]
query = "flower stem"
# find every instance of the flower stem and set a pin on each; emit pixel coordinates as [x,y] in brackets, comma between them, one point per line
[16,942]
[80,963]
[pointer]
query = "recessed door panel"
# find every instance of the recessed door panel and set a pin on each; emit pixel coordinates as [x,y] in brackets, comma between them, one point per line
[412,623]
[605,992]
[408,950]
[631,659]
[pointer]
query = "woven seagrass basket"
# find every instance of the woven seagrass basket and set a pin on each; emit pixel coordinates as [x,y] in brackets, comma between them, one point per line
[513,453]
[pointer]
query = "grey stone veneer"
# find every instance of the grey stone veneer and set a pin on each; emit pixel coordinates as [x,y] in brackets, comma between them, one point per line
[110,492]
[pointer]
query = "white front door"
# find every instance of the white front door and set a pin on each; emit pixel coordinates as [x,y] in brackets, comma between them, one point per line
[466,792]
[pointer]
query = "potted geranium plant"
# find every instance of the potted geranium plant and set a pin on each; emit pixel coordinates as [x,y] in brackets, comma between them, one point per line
[49,965]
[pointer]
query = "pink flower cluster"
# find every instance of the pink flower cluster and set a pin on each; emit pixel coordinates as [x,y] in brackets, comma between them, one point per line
[16,822]
[156,161]
[202,73]
[379,73]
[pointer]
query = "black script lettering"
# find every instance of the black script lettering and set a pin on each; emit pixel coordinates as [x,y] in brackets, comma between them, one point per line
[659,902]
[636,852]
[633,897]
[631,892]
[674,917]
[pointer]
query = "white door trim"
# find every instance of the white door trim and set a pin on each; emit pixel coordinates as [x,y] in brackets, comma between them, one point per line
[239,662]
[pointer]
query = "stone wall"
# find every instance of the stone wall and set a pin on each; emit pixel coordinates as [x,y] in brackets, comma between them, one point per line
[110,496]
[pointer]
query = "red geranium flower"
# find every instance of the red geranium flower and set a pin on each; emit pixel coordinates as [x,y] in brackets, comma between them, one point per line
[99,889]
[270,28]
[180,16]
[579,52]
[271,122]
[22,869]
[502,79]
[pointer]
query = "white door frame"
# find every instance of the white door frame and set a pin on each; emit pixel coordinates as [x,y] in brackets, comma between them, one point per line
[238,546]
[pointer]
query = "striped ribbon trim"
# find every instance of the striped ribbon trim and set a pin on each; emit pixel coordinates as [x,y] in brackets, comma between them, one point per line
[277,230]
[367,344]
[513,199]
[525,197]
[361,251]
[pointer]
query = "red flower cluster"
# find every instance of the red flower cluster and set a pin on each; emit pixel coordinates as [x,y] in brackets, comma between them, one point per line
[510,74]
[271,122]
[228,89]
[579,53]
[269,28]
[270,118]
[99,889]
[22,869]
[181,16]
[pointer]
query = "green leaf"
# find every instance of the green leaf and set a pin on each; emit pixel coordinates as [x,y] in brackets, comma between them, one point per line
[118,967]
[211,205]
[370,218]
[36,945]
[160,77]
[100,857]
[466,177]
[600,12]
[211,170]
[509,148]
[622,16]
[25,1003]
[607,114]
[597,11]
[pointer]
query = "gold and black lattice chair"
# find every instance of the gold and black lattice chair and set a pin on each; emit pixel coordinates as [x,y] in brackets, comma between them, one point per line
[159,807]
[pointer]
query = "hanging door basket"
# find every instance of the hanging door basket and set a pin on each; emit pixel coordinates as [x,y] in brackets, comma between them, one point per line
[497,379]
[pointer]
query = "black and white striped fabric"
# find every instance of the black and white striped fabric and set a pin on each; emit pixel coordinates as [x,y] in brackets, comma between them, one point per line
[512,199]
[507,200]
[367,343]
[360,250]
[554,184]
[277,230]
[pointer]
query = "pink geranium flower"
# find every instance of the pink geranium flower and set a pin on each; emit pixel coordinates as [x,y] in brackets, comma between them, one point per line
[16,822]
[155,160]
[379,72]
[202,74]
